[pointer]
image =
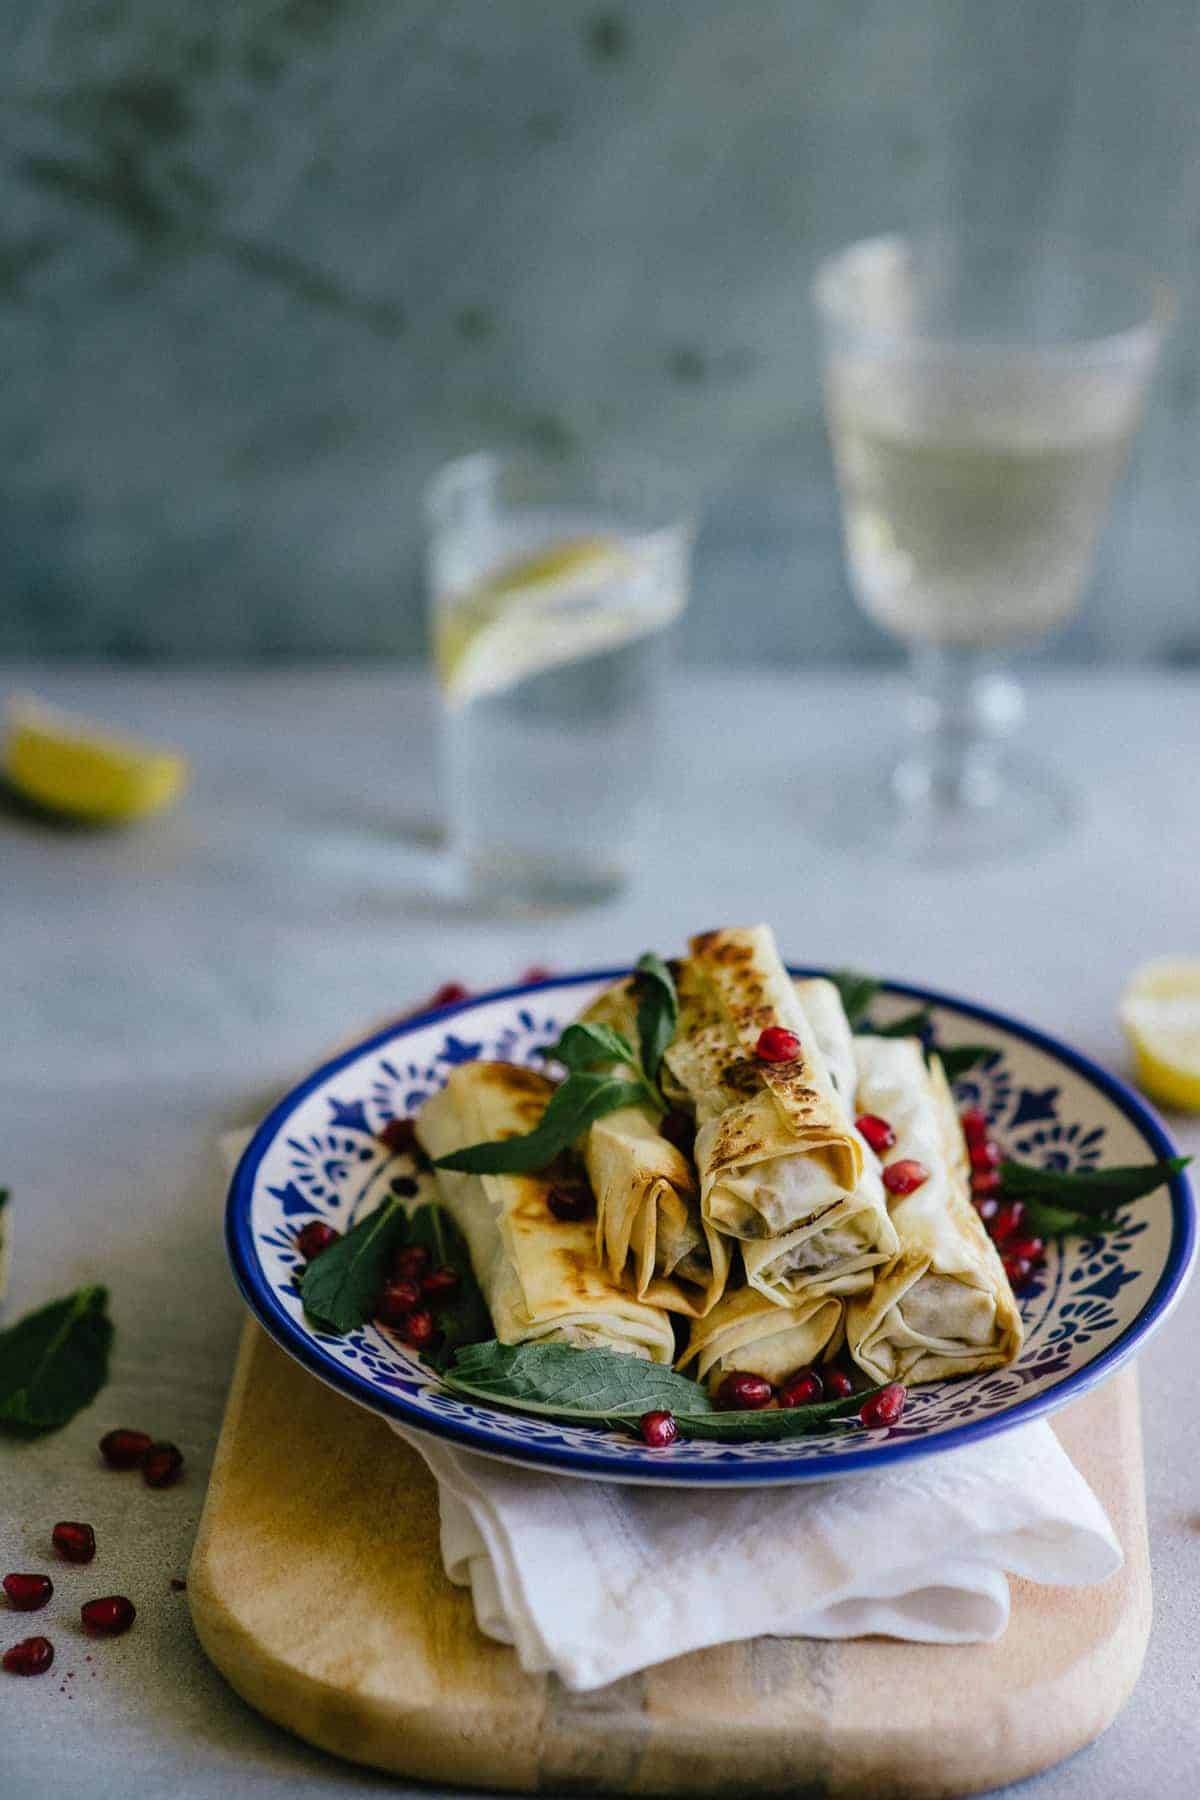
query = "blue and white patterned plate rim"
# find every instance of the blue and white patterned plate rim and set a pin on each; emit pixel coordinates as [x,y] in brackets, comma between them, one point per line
[656,1468]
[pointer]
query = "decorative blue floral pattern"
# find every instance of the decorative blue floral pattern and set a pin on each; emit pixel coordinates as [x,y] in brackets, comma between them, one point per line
[320,1154]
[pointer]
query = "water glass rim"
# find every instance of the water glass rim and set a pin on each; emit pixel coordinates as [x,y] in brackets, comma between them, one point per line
[1129,343]
[677,499]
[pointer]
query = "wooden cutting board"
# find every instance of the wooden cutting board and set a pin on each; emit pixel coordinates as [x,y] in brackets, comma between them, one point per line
[317,1589]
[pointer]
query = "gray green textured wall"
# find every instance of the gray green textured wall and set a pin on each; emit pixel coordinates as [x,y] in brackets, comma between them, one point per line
[264,262]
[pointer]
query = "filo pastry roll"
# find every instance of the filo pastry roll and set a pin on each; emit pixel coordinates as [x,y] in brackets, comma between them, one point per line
[540,1275]
[943,1305]
[752,1335]
[648,1225]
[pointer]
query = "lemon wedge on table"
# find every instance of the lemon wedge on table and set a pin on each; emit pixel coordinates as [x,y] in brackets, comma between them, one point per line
[84,771]
[1160,1010]
[534,614]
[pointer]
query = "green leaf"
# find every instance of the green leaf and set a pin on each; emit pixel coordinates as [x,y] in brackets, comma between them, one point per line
[602,1386]
[588,1046]
[913,1024]
[464,1318]
[857,992]
[1058,1221]
[578,1103]
[341,1285]
[54,1362]
[771,1423]
[958,1058]
[1096,1193]
[657,1013]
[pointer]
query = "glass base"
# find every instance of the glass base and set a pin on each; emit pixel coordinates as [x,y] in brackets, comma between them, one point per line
[1005,808]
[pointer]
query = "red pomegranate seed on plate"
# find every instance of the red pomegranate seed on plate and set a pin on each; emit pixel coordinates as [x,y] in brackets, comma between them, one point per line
[397,1300]
[449,994]
[658,1429]
[1008,1220]
[987,1208]
[27,1592]
[877,1132]
[905,1176]
[838,1385]
[570,1204]
[742,1392]
[419,1329]
[985,1181]
[885,1407]
[1018,1269]
[163,1465]
[804,1388]
[399,1134]
[440,1283]
[410,1263]
[315,1237]
[75,1542]
[975,1124]
[777,1045]
[985,1156]
[124,1449]
[32,1656]
[1032,1249]
[537,972]
[108,1616]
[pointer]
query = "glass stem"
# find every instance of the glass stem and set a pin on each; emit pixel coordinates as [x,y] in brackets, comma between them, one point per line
[961,708]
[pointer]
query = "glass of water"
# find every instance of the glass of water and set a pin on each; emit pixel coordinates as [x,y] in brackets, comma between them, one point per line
[553,587]
[981,395]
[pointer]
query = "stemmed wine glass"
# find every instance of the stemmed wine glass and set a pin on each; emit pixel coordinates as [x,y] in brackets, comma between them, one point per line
[981,395]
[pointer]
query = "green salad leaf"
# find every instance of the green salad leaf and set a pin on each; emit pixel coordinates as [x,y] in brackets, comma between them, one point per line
[54,1362]
[857,992]
[1083,1202]
[658,1011]
[957,1059]
[578,1103]
[340,1287]
[463,1318]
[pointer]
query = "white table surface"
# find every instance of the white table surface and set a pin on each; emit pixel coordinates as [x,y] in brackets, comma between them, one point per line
[160,984]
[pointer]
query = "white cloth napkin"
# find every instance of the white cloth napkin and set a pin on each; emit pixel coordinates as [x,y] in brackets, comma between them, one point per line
[595,1580]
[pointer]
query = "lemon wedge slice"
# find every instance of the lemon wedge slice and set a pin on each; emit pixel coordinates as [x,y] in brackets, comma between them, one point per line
[84,771]
[531,615]
[1160,1010]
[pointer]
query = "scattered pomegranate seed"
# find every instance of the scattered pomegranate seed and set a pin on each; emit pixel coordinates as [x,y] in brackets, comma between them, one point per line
[410,1263]
[777,1045]
[987,1208]
[1008,1220]
[439,1284]
[1032,1249]
[449,994]
[124,1449]
[419,1329]
[27,1592]
[163,1465]
[885,1407]
[1018,1269]
[838,1385]
[985,1181]
[108,1617]
[975,1125]
[399,1134]
[985,1156]
[315,1237]
[905,1176]
[32,1656]
[537,972]
[877,1132]
[658,1429]
[742,1392]
[397,1300]
[803,1389]
[570,1204]
[74,1542]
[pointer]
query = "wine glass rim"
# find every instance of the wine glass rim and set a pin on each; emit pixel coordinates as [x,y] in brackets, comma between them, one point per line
[1127,343]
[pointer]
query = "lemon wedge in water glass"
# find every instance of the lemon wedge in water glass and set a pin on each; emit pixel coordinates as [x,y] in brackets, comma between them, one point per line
[1160,1010]
[84,771]
[533,614]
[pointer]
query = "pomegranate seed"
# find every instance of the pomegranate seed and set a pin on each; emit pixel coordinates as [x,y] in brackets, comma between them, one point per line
[315,1237]
[399,1134]
[410,1263]
[905,1176]
[163,1465]
[885,1407]
[27,1592]
[658,1429]
[32,1656]
[439,1284]
[985,1156]
[449,994]
[124,1449]
[537,972]
[108,1617]
[406,1187]
[397,1300]
[777,1045]
[570,1204]
[985,1181]
[987,1208]
[838,1385]
[419,1330]
[1018,1269]
[74,1542]
[742,1392]
[1008,1220]
[1032,1249]
[804,1389]
[975,1125]
[877,1132]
